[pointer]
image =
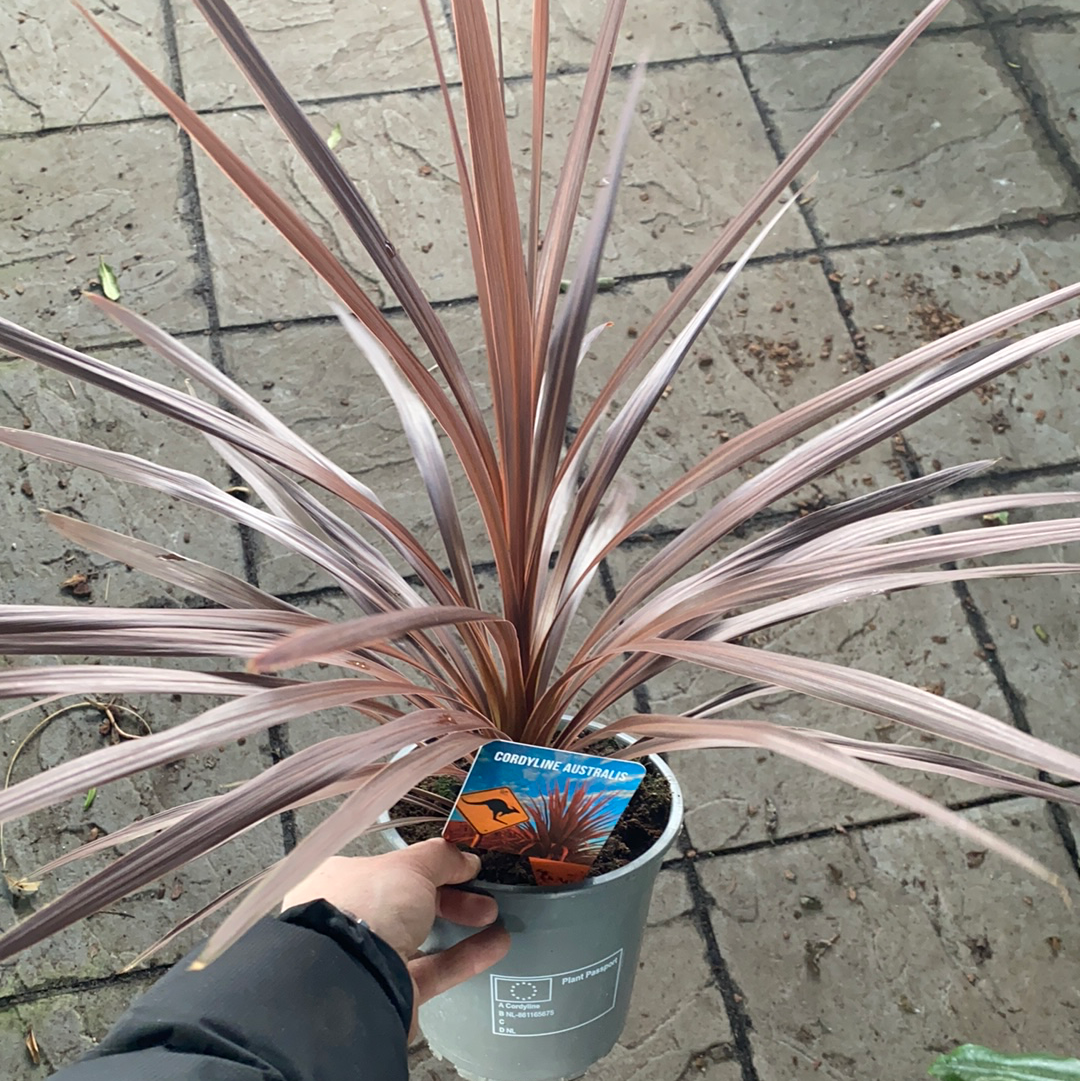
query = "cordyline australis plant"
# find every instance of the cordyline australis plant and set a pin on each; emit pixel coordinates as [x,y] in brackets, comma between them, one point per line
[437,671]
[569,822]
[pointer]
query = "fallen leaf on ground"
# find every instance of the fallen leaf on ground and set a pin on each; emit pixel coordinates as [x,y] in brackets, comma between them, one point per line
[32,1048]
[20,887]
[79,584]
[107,277]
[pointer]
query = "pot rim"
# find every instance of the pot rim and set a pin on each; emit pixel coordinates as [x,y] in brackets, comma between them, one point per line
[663,842]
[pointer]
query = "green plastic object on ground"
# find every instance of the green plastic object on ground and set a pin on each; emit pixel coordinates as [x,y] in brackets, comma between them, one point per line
[973,1063]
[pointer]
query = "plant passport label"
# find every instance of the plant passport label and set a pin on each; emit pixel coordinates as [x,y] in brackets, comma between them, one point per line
[554,808]
[554,1003]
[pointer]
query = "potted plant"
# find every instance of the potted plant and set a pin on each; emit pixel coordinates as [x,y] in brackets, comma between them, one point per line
[560,998]
[442,674]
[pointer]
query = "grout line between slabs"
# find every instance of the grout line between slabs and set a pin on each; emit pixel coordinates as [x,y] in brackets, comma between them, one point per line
[669,275]
[901,447]
[448,17]
[821,248]
[932,31]
[976,621]
[278,735]
[640,693]
[1001,482]
[734,1003]
[76,985]
[675,274]
[980,633]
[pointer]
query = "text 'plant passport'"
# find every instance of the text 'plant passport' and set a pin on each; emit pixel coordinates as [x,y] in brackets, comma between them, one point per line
[554,808]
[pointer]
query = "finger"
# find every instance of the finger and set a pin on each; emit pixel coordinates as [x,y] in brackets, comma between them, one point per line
[467,909]
[442,863]
[439,972]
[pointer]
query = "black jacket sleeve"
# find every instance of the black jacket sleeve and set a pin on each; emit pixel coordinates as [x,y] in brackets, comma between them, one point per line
[309,996]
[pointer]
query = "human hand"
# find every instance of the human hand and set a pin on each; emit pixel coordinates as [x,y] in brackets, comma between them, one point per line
[399,894]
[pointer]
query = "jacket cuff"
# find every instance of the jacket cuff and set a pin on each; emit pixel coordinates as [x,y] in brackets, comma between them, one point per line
[361,943]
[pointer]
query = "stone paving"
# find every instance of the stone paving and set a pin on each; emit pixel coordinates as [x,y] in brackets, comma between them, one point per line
[800,929]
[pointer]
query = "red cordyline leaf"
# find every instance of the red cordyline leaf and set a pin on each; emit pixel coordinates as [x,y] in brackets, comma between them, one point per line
[425,657]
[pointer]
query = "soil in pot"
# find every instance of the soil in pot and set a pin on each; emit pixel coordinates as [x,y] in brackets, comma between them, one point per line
[643,821]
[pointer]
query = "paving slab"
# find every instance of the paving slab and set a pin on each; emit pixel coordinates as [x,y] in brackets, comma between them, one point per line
[65,1026]
[735,798]
[315,50]
[325,49]
[905,295]
[669,207]
[1048,56]
[767,23]
[396,150]
[58,72]
[74,197]
[676,1026]
[866,955]
[928,151]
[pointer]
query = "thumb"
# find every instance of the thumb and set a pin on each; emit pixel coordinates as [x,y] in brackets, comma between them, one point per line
[438,972]
[442,863]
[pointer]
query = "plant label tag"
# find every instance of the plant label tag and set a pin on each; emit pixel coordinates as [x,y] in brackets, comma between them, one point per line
[554,808]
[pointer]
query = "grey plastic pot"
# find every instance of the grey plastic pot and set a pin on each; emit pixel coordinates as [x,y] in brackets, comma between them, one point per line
[558,1001]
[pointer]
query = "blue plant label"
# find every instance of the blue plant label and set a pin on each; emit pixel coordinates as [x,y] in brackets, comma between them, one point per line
[554,808]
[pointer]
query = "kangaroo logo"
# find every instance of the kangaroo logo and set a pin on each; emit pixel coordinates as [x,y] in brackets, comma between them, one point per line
[491,809]
[497,807]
